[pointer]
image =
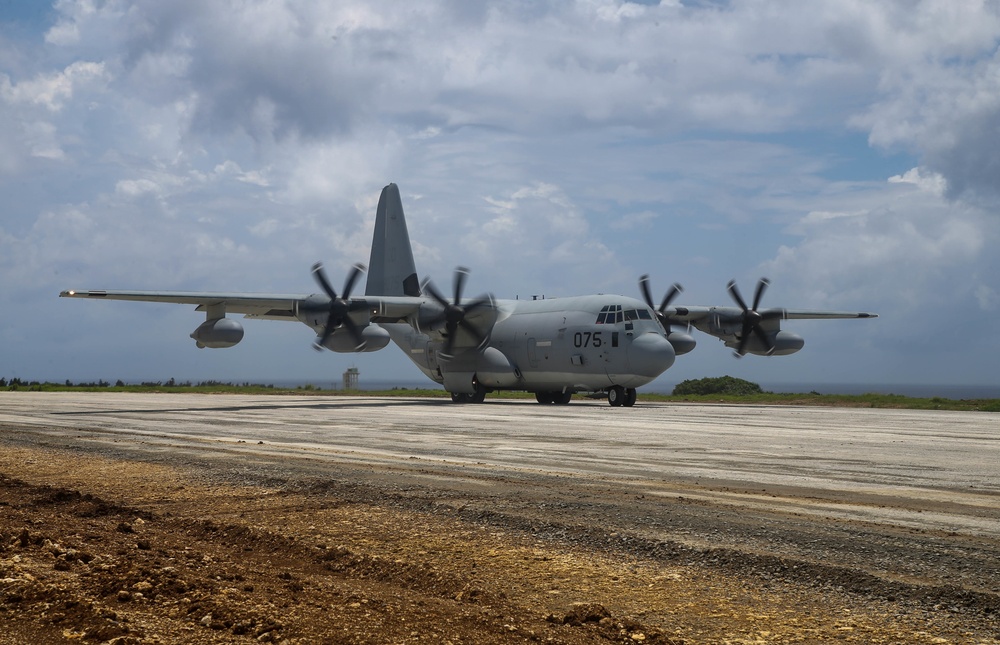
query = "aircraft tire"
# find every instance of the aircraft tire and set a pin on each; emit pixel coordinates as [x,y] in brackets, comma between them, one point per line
[543,397]
[478,396]
[460,398]
[562,398]
[616,396]
[630,396]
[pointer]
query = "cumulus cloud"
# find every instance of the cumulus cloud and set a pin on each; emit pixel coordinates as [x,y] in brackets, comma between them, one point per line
[906,247]
[552,147]
[940,95]
[51,90]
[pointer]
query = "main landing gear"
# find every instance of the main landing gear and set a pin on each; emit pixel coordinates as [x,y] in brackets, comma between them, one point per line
[619,396]
[476,397]
[559,398]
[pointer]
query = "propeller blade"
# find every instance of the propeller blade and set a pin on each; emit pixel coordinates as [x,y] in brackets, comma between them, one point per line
[752,318]
[675,289]
[331,325]
[668,297]
[352,329]
[352,277]
[764,338]
[741,350]
[478,303]
[644,287]
[472,329]
[761,287]
[461,273]
[340,306]
[428,286]
[320,275]
[735,293]
[454,313]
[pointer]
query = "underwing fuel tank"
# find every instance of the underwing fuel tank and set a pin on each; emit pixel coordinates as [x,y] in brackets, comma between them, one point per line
[218,333]
[374,338]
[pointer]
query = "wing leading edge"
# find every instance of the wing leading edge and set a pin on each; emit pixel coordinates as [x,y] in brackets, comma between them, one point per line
[695,314]
[253,305]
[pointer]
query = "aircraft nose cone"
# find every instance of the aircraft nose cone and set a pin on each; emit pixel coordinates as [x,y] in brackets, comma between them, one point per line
[650,355]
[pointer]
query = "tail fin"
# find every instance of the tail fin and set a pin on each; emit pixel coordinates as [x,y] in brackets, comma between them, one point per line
[391,271]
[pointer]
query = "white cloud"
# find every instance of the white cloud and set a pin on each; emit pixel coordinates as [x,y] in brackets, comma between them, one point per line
[552,147]
[933,183]
[906,248]
[52,90]
[136,187]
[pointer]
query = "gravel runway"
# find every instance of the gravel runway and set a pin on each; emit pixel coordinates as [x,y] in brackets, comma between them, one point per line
[894,510]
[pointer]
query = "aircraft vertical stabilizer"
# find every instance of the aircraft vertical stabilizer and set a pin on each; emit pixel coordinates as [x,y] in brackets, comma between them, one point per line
[391,271]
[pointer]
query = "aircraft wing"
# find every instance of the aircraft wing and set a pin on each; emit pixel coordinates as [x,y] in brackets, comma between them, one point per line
[805,314]
[694,315]
[754,331]
[254,305]
[264,306]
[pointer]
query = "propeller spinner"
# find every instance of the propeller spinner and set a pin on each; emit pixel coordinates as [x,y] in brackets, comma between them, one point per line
[340,306]
[455,313]
[752,318]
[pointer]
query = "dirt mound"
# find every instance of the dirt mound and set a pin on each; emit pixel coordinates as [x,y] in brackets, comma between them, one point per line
[114,551]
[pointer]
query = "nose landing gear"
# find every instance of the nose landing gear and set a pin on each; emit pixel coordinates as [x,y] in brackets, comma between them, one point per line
[619,396]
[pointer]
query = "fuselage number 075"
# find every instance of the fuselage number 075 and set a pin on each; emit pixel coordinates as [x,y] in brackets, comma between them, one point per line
[587,339]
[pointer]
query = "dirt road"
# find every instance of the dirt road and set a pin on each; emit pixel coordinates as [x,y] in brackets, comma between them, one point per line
[172,518]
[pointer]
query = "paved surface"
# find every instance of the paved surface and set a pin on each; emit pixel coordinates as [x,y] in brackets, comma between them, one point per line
[923,469]
[721,523]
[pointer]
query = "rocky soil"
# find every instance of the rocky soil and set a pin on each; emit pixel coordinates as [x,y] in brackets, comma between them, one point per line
[124,546]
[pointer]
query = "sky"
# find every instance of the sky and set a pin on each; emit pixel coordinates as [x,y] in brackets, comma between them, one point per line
[845,149]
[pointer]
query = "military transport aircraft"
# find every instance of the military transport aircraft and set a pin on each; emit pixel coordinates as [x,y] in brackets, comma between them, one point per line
[554,347]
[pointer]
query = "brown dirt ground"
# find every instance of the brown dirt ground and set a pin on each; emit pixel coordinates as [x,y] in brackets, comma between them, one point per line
[101,549]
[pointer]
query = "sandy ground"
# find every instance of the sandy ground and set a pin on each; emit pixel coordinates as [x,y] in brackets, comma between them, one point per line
[173,518]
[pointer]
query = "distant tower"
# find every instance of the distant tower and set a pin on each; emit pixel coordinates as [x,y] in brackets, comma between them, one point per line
[351,378]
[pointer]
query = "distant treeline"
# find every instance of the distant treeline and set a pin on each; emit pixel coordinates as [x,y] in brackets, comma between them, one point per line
[18,384]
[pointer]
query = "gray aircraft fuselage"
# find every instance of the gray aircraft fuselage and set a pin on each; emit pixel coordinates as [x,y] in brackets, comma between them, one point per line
[554,344]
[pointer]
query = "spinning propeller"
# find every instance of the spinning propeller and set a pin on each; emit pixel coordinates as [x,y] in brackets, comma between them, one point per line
[661,313]
[455,313]
[752,318]
[340,306]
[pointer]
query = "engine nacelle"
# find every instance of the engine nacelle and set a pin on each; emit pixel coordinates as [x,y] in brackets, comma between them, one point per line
[785,342]
[343,342]
[218,333]
[493,369]
[682,342]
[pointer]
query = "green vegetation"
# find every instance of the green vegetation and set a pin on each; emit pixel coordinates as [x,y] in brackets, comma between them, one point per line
[724,389]
[728,389]
[719,385]
[871,400]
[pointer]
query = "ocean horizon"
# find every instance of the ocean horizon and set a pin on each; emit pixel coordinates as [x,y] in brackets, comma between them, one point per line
[916,390]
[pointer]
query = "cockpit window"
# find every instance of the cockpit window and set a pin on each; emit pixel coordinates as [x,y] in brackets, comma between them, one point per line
[637,314]
[611,314]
